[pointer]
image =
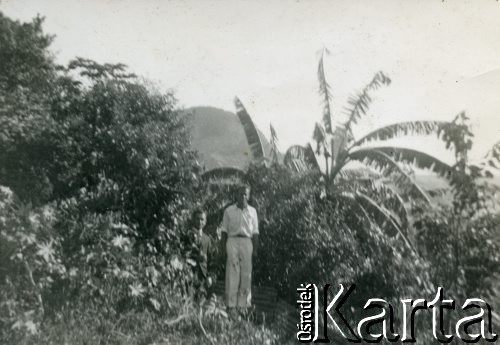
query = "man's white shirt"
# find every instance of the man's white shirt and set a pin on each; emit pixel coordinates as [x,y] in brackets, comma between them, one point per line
[240,222]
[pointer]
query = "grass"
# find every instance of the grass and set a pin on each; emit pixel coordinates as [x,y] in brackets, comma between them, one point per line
[79,327]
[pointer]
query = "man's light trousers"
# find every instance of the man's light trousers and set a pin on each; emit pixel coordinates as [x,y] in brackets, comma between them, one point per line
[239,272]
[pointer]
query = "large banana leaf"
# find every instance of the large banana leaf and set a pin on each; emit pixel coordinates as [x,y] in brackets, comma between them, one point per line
[376,215]
[357,209]
[311,157]
[358,105]
[381,192]
[319,137]
[251,133]
[419,159]
[324,91]
[405,128]
[381,161]
[349,174]
[301,159]
[381,212]
[274,145]
[338,142]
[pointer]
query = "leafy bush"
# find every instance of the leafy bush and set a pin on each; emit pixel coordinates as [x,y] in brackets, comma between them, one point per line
[463,251]
[101,165]
[31,264]
[307,236]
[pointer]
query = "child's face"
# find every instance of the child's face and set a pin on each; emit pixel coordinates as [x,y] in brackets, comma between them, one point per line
[199,221]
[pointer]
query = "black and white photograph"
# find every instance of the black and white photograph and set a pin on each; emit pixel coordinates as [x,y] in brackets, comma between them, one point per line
[249,172]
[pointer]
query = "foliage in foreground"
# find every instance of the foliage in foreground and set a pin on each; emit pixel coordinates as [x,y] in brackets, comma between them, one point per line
[81,325]
[99,177]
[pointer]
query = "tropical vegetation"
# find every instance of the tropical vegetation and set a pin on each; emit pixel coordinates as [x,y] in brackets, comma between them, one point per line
[97,181]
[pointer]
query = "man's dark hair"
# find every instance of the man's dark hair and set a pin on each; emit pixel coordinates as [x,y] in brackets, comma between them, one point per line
[197,211]
[243,186]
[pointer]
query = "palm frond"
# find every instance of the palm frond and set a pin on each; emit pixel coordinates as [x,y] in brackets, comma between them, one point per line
[319,137]
[394,201]
[381,161]
[349,199]
[385,215]
[439,192]
[251,133]
[348,174]
[311,157]
[358,105]
[405,128]
[274,145]
[325,93]
[274,136]
[419,159]
[339,140]
[300,159]
[382,193]
[223,173]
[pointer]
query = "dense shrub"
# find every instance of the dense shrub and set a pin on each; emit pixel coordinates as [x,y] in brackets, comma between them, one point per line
[310,237]
[30,264]
[463,251]
[99,182]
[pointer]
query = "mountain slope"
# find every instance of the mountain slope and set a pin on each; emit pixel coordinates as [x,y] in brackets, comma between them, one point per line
[219,138]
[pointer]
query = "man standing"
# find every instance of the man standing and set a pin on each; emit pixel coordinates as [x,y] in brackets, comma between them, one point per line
[202,251]
[240,234]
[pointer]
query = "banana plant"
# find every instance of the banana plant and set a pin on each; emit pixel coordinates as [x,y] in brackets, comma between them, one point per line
[374,177]
[368,172]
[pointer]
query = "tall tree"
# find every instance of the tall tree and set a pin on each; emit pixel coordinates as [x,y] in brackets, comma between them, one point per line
[27,79]
[65,129]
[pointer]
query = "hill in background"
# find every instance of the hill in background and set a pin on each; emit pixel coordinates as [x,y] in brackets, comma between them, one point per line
[219,138]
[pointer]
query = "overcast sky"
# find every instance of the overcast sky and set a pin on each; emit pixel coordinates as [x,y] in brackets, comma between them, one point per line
[443,57]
